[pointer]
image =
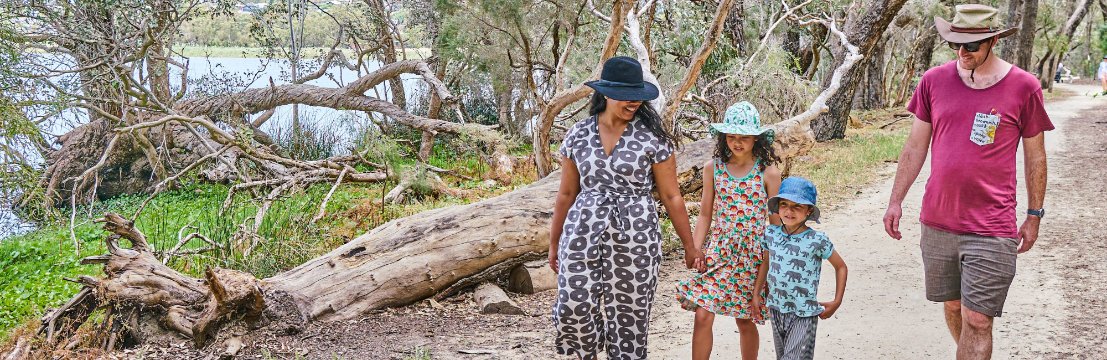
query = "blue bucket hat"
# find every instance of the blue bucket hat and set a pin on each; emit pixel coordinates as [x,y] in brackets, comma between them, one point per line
[621,79]
[742,118]
[797,190]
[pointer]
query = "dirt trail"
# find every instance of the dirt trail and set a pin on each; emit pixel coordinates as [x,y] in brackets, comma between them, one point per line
[886,315]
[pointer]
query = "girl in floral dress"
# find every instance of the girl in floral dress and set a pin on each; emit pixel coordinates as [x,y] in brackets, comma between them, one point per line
[736,185]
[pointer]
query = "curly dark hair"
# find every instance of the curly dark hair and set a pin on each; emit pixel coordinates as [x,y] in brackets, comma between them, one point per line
[762,149]
[645,113]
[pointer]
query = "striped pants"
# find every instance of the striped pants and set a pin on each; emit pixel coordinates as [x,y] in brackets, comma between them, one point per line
[793,335]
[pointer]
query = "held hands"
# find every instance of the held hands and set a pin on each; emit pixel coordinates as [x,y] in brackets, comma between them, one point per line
[829,308]
[693,259]
[1028,233]
[757,301]
[891,221]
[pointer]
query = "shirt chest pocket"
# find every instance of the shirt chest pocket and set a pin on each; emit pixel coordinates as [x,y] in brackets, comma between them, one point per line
[984,128]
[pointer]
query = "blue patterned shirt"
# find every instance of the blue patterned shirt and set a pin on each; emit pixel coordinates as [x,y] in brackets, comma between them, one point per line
[795,263]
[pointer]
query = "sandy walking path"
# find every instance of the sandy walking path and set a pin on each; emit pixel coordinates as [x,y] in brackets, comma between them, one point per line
[886,315]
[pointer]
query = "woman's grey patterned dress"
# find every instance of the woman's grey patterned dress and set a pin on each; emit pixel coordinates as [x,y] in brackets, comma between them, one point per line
[610,248]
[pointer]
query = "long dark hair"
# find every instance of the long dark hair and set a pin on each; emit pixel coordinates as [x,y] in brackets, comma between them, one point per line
[762,149]
[645,113]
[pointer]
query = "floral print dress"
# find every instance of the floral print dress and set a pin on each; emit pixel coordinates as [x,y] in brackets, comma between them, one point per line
[733,249]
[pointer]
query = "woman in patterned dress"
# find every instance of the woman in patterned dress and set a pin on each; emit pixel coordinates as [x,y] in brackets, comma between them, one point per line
[736,185]
[605,238]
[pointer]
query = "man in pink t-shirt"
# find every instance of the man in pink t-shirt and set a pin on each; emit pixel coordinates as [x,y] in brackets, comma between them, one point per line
[973,112]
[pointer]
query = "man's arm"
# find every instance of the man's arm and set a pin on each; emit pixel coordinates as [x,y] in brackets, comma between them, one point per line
[1034,153]
[910,163]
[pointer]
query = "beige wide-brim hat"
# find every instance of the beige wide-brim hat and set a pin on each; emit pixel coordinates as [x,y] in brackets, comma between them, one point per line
[971,22]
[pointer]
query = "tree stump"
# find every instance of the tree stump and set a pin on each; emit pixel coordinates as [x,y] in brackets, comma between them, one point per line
[532,277]
[493,300]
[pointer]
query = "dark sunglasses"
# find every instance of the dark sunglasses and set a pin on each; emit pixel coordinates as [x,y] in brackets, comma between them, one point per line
[970,47]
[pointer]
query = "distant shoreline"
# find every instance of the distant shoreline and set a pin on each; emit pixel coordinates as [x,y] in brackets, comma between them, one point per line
[256,52]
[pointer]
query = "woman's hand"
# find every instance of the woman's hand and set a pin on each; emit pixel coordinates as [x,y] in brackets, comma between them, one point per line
[553,260]
[669,192]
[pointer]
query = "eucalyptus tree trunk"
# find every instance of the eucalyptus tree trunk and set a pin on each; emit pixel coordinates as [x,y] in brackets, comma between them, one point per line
[550,109]
[1014,17]
[1064,36]
[866,34]
[734,27]
[1020,46]
[924,53]
[870,92]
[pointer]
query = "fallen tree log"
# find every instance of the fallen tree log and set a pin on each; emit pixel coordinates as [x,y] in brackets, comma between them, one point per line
[407,260]
[148,302]
[532,277]
[491,299]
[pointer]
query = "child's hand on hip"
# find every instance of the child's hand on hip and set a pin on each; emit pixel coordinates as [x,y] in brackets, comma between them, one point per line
[829,308]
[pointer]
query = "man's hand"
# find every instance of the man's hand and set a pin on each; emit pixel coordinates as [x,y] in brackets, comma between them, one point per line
[891,221]
[829,308]
[693,259]
[1028,233]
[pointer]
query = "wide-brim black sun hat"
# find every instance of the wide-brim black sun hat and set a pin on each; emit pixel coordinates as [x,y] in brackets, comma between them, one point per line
[621,79]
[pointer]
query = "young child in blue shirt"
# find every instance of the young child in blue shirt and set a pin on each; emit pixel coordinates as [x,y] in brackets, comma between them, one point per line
[795,254]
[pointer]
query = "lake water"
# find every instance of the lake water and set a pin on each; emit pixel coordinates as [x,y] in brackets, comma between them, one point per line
[256,73]
[211,73]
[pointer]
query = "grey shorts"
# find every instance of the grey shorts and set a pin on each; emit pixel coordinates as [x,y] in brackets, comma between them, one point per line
[976,269]
[794,336]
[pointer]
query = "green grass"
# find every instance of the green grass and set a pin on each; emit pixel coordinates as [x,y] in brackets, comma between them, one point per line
[34,264]
[33,267]
[840,168]
[253,52]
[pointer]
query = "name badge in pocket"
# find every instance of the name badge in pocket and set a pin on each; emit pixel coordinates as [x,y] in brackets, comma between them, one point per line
[984,129]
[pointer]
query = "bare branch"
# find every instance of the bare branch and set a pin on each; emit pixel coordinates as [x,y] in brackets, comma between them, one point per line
[323,205]
[669,116]
[592,8]
[788,13]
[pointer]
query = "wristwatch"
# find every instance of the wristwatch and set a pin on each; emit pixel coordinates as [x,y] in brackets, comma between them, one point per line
[1040,213]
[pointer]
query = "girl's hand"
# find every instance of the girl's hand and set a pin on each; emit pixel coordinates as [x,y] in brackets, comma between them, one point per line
[553,260]
[757,301]
[701,265]
[830,308]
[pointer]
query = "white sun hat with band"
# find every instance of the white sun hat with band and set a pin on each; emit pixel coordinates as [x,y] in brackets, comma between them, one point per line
[971,22]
